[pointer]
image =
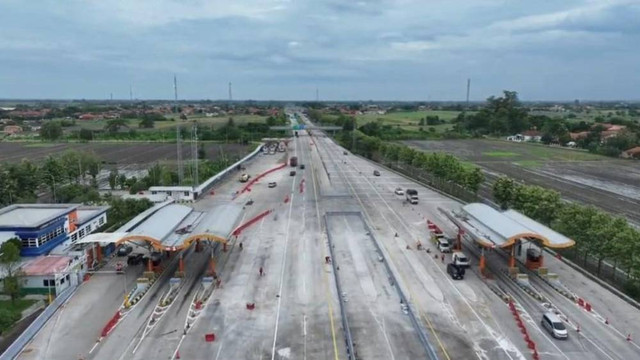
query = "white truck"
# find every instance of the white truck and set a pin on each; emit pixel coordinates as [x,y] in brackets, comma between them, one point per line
[412,196]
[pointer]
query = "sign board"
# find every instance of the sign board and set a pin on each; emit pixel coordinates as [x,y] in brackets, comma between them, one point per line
[174,281]
[207,279]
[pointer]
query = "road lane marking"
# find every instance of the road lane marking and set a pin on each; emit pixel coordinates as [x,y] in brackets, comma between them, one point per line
[325,277]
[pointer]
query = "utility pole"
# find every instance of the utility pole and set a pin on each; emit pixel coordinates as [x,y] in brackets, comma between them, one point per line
[353,141]
[468,90]
[194,151]
[317,95]
[178,137]
[230,94]
[131,92]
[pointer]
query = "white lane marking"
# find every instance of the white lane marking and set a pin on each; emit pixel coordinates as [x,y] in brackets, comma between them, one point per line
[487,327]
[284,262]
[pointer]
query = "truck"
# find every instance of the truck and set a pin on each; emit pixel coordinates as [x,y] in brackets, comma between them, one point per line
[293,161]
[412,196]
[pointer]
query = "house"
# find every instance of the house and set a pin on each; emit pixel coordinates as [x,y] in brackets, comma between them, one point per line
[52,274]
[529,135]
[633,153]
[579,135]
[87,117]
[12,129]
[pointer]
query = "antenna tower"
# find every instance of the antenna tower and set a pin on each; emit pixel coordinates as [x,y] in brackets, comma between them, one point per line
[230,95]
[194,152]
[178,137]
[468,89]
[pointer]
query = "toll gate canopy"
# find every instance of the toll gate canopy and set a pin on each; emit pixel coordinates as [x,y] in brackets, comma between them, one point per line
[492,228]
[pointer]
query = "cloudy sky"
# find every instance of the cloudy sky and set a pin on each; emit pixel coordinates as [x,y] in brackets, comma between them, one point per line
[348,49]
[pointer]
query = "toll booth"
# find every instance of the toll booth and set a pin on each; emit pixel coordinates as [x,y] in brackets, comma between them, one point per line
[518,235]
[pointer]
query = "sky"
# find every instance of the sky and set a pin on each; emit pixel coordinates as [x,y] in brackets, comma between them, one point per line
[422,50]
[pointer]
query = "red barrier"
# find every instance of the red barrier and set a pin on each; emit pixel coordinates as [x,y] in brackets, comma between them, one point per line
[209,337]
[111,324]
[240,228]
[286,199]
[587,306]
[250,183]
[580,302]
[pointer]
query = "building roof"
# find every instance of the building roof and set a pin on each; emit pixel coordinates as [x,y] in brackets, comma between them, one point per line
[163,222]
[633,151]
[171,188]
[47,265]
[491,227]
[32,215]
[88,213]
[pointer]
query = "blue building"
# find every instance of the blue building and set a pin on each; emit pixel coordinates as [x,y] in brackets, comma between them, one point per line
[42,227]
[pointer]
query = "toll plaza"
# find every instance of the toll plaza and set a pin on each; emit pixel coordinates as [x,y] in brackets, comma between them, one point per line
[511,231]
[174,228]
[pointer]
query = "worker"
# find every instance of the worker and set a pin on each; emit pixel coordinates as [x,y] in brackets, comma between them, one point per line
[442,257]
[261,271]
[241,246]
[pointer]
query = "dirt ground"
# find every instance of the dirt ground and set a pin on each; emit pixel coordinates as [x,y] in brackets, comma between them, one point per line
[115,153]
[611,184]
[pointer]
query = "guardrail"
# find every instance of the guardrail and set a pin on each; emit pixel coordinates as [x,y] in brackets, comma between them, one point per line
[205,186]
[343,314]
[16,347]
[431,353]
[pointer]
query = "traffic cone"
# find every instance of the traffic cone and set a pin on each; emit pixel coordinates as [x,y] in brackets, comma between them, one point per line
[606,321]
[178,354]
[578,328]
[629,337]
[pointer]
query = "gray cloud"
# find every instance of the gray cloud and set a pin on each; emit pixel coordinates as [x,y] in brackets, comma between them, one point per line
[375,49]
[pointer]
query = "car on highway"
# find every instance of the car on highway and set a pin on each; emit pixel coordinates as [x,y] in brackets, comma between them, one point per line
[376,172]
[399,191]
[124,250]
[135,259]
[552,323]
[444,245]
[456,272]
[344,153]
[301,166]
[460,259]
[272,184]
[292,173]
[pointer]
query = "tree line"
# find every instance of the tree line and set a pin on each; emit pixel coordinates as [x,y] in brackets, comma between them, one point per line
[505,115]
[596,233]
[440,165]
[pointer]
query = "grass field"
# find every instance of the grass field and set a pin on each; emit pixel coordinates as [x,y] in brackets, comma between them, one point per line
[408,120]
[200,119]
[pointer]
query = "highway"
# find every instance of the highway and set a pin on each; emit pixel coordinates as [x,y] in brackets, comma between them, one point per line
[293,310]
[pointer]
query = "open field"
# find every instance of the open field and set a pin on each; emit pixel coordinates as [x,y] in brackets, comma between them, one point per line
[408,120]
[611,184]
[200,119]
[117,153]
[584,116]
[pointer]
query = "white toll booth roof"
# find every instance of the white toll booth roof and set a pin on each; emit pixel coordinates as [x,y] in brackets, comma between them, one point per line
[163,222]
[491,227]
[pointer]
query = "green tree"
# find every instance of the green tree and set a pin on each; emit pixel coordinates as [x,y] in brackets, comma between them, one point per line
[503,191]
[146,123]
[114,125]
[53,173]
[113,179]
[122,181]
[473,179]
[51,130]
[85,134]
[201,152]
[10,261]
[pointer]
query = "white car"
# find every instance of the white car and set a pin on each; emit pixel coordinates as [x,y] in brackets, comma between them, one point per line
[460,259]
[399,191]
[444,245]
